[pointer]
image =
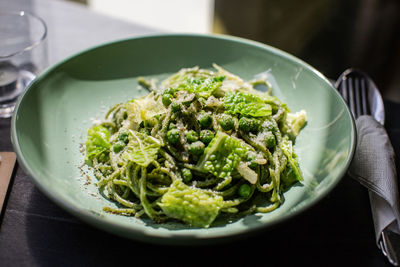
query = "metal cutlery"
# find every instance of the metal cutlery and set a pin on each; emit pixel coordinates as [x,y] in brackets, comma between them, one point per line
[363,98]
[361,94]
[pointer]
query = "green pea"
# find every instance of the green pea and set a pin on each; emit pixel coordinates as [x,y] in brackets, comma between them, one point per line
[226,122]
[150,122]
[244,124]
[255,125]
[206,136]
[197,148]
[124,137]
[253,165]
[269,126]
[188,101]
[205,120]
[219,79]
[275,109]
[144,131]
[104,157]
[192,136]
[186,175]
[171,126]
[166,99]
[118,146]
[248,124]
[176,107]
[169,91]
[251,157]
[270,140]
[244,190]
[173,136]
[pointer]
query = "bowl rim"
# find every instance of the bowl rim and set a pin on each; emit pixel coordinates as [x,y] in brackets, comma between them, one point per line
[178,237]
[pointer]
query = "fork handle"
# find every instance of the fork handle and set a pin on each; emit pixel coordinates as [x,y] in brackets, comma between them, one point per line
[386,229]
[390,245]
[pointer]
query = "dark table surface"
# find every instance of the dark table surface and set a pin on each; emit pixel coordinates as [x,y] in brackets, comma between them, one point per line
[36,232]
[337,231]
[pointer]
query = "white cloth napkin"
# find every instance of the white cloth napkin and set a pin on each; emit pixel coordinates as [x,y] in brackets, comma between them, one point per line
[374,166]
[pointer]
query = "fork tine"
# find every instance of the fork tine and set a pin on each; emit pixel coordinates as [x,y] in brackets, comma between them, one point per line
[351,100]
[343,90]
[357,96]
[364,97]
[361,94]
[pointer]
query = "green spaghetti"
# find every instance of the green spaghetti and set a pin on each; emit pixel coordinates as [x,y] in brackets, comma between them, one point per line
[202,143]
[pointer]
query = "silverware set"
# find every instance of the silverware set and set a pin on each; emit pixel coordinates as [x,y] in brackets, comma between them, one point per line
[363,98]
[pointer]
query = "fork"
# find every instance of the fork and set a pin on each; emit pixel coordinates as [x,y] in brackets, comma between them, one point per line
[361,94]
[363,98]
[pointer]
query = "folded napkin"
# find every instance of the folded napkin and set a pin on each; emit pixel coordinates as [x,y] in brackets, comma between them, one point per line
[374,166]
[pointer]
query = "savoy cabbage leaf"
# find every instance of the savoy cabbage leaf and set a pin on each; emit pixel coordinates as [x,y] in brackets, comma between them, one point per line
[97,142]
[222,155]
[246,104]
[198,207]
[141,149]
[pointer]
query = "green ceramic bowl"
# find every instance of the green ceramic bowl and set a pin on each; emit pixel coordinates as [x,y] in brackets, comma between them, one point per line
[51,119]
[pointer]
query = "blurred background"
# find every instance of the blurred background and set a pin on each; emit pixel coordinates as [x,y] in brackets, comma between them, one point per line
[331,35]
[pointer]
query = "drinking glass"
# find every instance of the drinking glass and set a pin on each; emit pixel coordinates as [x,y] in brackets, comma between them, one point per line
[23,55]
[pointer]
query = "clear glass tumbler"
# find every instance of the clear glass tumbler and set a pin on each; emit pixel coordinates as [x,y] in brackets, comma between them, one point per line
[23,55]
